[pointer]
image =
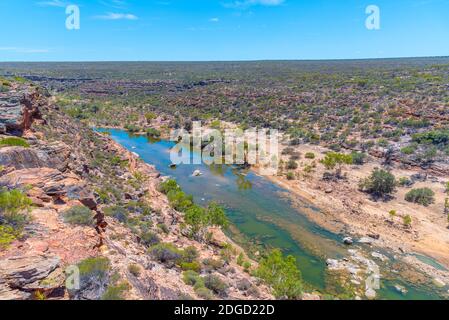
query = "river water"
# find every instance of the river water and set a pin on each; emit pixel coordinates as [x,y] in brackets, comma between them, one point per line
[262,218]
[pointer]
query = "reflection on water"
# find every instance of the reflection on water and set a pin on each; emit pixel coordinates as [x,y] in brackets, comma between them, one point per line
[261,218]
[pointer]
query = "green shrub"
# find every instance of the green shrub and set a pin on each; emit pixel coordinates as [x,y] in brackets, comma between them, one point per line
[149,238]
[358,158]
[290,176]
[380,184]
[422,196]
[199,219]
[151,132]
[281,274]
[169,185]
[193,266]
[98,266]
[166,253]
[79,215]
[334,160]
[12,205]
[407,220]
[408,150]
[115,292]
[212,264]
[436,137]
[14,142]
[214,283]
[7,235]
[191,278]
[204,293]
[405,182]
[309,155]
[134,269]
[179,200]
[163,227]
[292,165]
[14,201]
[190,254]
[117,212]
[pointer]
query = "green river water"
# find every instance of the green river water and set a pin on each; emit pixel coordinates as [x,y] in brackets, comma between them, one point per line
[262,218]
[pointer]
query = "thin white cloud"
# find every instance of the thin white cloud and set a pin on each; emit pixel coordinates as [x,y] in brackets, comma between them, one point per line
[117,16]
[117,4]
[23,50]
[242,4]
[214,20]
[52,3]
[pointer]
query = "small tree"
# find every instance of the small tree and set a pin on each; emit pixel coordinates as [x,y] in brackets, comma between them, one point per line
[379,184]
[334,160]
[282,274]
[392,214]
[200,219]
[407,221]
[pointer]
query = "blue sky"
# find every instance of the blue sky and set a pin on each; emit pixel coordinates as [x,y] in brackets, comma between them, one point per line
[187,30]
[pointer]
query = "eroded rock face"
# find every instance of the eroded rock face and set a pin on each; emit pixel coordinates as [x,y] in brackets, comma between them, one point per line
[52,156]
[18,108]
[51,181]
[21,276]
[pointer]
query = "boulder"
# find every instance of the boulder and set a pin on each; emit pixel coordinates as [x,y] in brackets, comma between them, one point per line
[52,156]
[20,276]
[348,241]
[50,181]
[196,173]
[18,110]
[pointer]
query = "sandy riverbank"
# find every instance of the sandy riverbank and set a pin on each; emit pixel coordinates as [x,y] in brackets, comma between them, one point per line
[346,210]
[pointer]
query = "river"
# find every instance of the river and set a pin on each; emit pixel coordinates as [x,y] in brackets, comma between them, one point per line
[262,218]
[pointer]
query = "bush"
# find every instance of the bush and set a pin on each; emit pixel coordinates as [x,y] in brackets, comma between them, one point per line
[281,274]
[193,266]
[98,267]
[12,204]
[179,200]
[336,160]
[290,176]
[7,235]
[14,142]
[292,165]
[423,196]
[380,184]
[115,292]
[407,220]
[192,278]
[169,185]
[310,155]
[190,254]
[151,132]
[358,158]
[408,150]
[437,137]
[134,269]
[204,293]
[117,212]
[199,219]
[166,253]
[405,182]
[79,215]
[149,238]
[215,284]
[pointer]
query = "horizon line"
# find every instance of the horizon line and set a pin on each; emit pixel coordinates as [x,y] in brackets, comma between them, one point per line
[222,61]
